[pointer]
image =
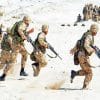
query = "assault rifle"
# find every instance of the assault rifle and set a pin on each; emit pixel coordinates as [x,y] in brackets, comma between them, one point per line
[49,46]
[52,49]
[31,41]
[97,51]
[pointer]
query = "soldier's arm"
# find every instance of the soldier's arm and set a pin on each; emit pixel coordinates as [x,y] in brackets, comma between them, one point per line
[87,43]
[42,42]
[21,28]
[30,31]
[73,50]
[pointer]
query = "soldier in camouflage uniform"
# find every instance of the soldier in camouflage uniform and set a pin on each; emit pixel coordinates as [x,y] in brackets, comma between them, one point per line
[19,34]
[38,55]
[83,56]
[6,54]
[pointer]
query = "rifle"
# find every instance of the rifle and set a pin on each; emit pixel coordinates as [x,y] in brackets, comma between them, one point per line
[97,51]
[49,46]
[31,41]
[52,49]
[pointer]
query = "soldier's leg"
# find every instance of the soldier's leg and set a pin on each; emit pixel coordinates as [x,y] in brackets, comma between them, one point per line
[36,69]
[6,71]
[14,53]
[3,59]
[6,58]
[41,60]
[88,76]
[23,62]
[2,65]
[86,70]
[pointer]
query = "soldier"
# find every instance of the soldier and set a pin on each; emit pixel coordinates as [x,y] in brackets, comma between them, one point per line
[79,18]
[83,51]
[38,55]
[6,54]
[19,34]
[85,13]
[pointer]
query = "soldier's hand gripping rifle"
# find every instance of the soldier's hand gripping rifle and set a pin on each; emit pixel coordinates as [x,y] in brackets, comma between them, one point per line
[97,51]
[52,49]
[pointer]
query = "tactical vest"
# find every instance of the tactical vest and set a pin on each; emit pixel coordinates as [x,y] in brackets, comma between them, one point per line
[5,44]
[16,37]
[80,43]
[38,47]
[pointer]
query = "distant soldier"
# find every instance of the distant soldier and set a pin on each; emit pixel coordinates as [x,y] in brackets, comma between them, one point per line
[90,11]
[38,55]
[82,51]
[19,34]
[85,13]
[6,54]
[79,18]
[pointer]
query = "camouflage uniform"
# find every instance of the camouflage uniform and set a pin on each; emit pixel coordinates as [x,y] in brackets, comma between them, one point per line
[83,57]
[18,42]
[6,55]
[19,34]
[39,53]
[40,45]
[85,13]
[84,60]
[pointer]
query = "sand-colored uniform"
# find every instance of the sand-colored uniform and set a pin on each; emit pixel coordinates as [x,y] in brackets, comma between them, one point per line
[41,49]
[6,53]
[84,59]
[18,42]
[38,54]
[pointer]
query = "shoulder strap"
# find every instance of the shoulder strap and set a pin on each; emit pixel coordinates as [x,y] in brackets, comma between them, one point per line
[80,43]
[37,37]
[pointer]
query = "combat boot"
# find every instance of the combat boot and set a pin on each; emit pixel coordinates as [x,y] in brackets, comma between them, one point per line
[36,69]
[23,73]
[2,78]
[73,74]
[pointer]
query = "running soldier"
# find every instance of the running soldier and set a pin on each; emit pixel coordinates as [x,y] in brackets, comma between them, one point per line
[19,34]
[38,55]
[82,51]
[6,54]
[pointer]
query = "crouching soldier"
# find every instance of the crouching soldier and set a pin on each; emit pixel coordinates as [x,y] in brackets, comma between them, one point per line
[38,55]
[82,51]
[6,54]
